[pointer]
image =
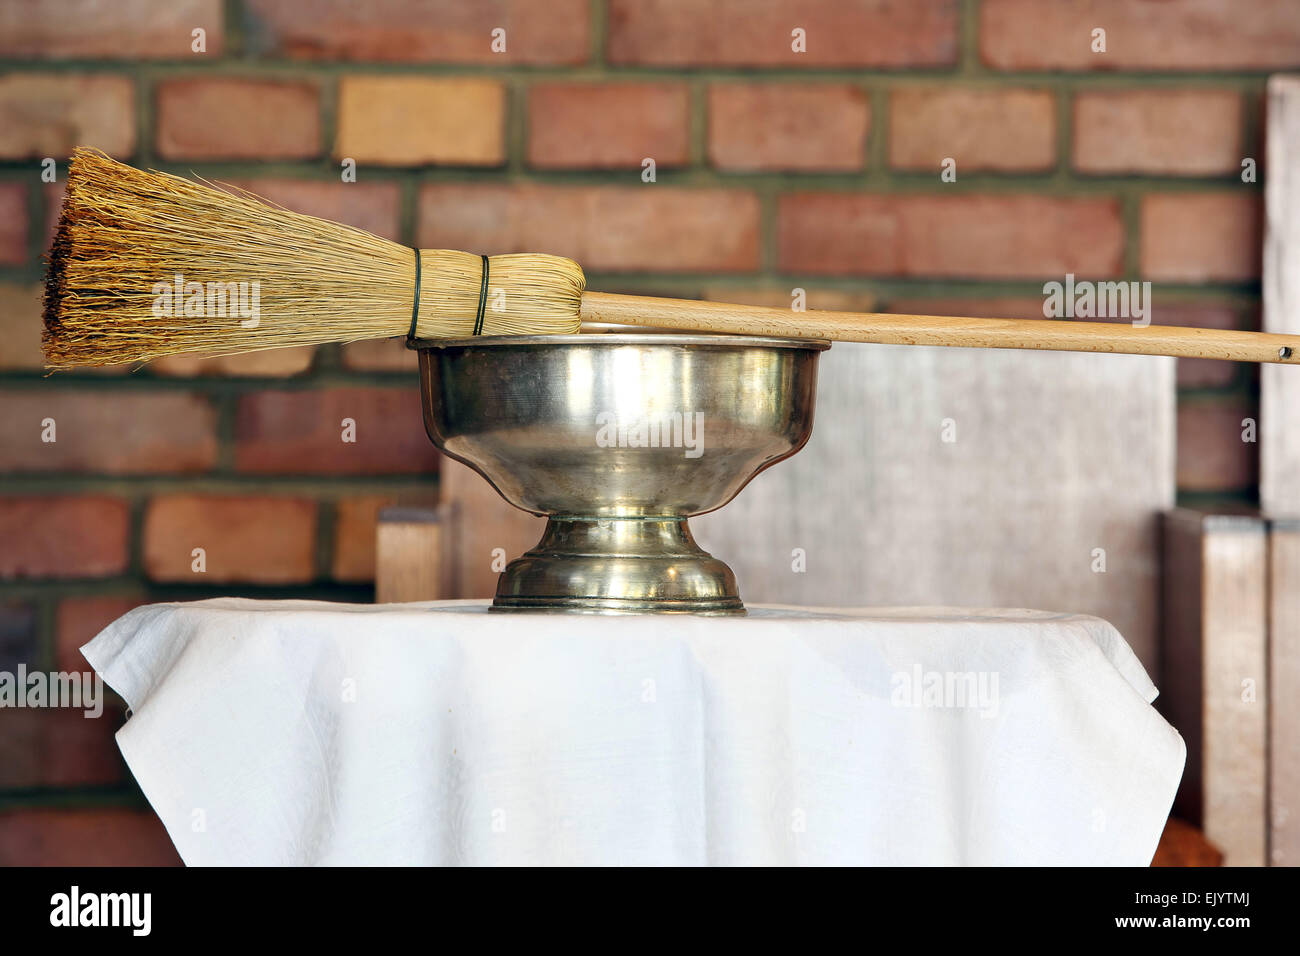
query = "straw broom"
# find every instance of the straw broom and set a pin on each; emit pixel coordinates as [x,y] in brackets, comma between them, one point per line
[145,264]
[123,234]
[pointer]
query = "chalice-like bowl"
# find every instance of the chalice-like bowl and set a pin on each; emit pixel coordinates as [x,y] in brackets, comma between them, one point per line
[618,439]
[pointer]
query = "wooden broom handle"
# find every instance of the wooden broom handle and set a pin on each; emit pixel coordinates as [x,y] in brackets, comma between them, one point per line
[1056,334]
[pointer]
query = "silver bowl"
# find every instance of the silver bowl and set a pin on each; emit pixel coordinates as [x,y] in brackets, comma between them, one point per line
[618,439]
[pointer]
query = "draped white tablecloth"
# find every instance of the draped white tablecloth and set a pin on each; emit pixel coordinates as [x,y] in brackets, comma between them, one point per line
[295,732]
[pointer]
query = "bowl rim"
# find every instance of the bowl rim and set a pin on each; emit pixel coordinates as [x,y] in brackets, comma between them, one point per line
[624,338]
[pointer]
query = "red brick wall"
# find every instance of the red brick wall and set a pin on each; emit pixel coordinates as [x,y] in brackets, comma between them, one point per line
[775,169]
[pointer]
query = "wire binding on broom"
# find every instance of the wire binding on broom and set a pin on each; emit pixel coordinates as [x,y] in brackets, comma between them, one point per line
[146,264]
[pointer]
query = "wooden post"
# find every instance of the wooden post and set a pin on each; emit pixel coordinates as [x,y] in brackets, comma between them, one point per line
[1214,687]
[1284,692]
[1279,440]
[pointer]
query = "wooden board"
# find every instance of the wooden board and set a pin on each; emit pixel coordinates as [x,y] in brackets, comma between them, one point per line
[484,531]
[1284,696]
[1280,462]
[1056,458]
[1279,452]
[1214,682]
[410,558]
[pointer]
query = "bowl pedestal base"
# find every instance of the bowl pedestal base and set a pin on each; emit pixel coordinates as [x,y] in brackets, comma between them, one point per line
[618,565]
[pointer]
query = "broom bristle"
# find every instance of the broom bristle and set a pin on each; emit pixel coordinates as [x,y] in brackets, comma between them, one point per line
[145,264]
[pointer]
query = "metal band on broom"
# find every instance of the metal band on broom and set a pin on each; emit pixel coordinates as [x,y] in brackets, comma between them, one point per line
[145,264]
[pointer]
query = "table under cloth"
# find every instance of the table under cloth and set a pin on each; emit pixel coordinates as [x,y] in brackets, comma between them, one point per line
[300,732]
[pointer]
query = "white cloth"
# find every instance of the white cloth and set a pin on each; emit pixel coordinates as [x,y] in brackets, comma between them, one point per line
[296,732]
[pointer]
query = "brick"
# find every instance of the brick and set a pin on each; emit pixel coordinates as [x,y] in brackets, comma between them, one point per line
[422,31]
[991,307]
[202,118]
[414,120]
[81,751]
[788,126]
[122,30]
[61,747]
[20,751]
[608,126]
[52,747]
[13,224]
[1206,373]
[251,540]
[20,327]
[84,837]
[650,227]
[1193,35]
[1003,130]
[839,33]
[834,300]
[981,236]
[267,363]
[19,642]
[79,619]
[1256,141]
[301,432]
[119,434]
[380,355]
[62,536]
[355,530]
[1158,132]
[47,114]
[53,196]
[1211,455]
[372,206]
[1201,237]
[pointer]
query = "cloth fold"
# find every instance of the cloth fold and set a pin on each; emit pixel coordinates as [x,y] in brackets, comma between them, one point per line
[298,732]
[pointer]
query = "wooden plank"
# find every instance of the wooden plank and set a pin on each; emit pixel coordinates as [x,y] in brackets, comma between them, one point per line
[1279,453]
[409,561]
[1284,696]
[1279,459]
[1182,665]
[1214,685]
[1055,457]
